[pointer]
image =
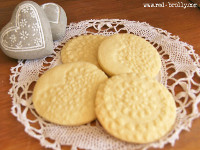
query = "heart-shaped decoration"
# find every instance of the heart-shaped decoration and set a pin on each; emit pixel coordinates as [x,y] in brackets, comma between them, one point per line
[57,19]
[28,34]
[52,11]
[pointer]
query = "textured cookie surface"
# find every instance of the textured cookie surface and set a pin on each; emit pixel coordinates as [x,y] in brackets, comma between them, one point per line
[135,108]
[125,53]
[82,48]
[66,93]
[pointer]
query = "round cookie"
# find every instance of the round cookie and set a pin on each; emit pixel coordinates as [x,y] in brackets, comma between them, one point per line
[65,94]
[125,53]
[138,110]
[82,48]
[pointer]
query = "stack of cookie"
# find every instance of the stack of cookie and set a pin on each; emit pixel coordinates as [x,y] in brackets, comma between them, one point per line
[111,79]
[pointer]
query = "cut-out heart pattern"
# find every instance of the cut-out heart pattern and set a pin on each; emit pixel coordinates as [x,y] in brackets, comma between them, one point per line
[27,34]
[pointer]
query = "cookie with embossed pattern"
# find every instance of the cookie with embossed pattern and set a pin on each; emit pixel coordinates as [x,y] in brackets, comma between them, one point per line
[125,53]
[57,19]
[135,108]
[65,94]
[28,34]
[82,48]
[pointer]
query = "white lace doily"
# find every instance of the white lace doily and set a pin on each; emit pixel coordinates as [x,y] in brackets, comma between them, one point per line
[180,72]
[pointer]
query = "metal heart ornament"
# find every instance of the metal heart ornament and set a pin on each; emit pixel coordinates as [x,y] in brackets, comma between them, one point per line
[28,34]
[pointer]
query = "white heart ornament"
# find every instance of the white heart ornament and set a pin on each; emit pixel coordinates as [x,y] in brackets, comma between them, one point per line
[28,34]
